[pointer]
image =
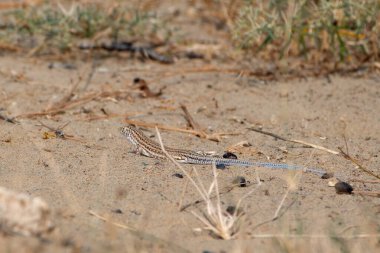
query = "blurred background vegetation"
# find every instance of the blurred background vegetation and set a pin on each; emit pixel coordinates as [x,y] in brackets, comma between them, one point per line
[331,33]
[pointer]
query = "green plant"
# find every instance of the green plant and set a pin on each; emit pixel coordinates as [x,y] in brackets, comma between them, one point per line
[58,28]
[343,29]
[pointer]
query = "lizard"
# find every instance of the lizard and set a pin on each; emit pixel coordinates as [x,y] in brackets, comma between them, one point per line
[147,147]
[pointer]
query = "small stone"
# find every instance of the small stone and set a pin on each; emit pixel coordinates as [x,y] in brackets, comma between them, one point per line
[220,166]
[117,211]
[179,175]
[229,155]
[7,140]
[231,210]
[327,175]
[333,182]
[343,188]
[239,180]
[67,242]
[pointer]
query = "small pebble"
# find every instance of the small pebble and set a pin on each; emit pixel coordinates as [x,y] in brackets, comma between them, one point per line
[239,180]
[117,211]
[333,182]
[58,65]
[179,175]
[343,188]
[327,175]
[229,155]
[231,210]
[67,242]
[137,80]
[220,166]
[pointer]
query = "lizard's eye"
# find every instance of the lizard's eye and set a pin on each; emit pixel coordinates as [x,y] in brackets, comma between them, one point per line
[123,130]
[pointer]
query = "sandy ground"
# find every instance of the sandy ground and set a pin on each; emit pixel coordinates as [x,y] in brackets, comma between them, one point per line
[96,172]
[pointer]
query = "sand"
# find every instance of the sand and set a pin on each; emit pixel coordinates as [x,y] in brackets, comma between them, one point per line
[94,171]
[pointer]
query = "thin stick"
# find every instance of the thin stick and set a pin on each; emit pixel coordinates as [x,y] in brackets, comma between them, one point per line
[218,207]
[315,146]
[203,194]
[348,157]
[74,103]
[224,191]
[67,98]
[193,124]
[275,216]
[183,193]
[212,137]
[364,181]
[295,141]
[201,186]
[94,65]
[108,221]
[210,68]
[368,193]
[108,116]
[250,192]
[277,212]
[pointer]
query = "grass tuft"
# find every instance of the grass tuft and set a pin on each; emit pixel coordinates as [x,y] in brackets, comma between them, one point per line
[221,223]
[61,28]
[338,30]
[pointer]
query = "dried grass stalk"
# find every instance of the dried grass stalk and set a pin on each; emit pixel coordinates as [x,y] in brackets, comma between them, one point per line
[216,220]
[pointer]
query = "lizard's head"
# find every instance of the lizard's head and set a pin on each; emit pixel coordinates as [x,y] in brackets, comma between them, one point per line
[129,131]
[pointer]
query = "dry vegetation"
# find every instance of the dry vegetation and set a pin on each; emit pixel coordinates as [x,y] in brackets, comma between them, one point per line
[318,37]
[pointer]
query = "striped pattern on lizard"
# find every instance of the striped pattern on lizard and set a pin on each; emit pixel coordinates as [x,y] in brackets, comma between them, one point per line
[147,147]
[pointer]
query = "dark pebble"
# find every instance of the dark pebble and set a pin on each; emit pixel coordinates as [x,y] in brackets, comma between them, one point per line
[229,155]
[179,175]
[231,210]
[220,166]
[327,175]
[240,181]
[67,242]
[193,55]
[117,211]
[137,80]
[343,188]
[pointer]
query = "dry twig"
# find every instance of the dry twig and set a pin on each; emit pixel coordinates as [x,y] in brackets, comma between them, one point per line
[364,181]
[348,157]
[193,124]
[119,225]
[66,98]
[76,102]
[310,145]
[268,74]
[213,137]
[277,214]
[368,193]
[221,223]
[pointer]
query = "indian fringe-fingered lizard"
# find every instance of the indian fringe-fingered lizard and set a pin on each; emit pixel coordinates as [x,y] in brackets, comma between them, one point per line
[147,147]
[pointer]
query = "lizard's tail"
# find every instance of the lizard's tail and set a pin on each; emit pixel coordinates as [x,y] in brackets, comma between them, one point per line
[285,166]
